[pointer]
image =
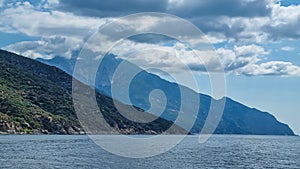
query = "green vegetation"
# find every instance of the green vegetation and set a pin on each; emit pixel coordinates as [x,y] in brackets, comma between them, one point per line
[36,98]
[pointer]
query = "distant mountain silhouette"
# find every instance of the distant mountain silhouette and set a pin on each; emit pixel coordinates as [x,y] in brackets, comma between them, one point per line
[237,118]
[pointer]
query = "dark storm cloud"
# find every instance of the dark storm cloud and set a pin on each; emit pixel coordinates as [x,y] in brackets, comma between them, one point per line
[187,8]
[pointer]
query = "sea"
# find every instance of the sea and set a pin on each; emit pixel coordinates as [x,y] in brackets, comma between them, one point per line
[220,151]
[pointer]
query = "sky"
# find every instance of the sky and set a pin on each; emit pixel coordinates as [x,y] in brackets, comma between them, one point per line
[256,41]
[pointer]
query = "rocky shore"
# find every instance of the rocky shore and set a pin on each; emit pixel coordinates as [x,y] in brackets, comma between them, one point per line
[48,126]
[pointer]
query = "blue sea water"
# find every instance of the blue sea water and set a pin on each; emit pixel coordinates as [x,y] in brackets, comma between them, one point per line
[220,151]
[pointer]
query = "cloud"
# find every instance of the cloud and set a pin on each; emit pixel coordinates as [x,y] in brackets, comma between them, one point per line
[253,51]
[28,19]
[241,60]
[178,57]
[284,22]
[46,47]
[2,3]
[111,8]
[63,29]
[240,56]
[182,8]
[231,8]
[175,59]
[287,48]
[60,33]
[150,38]
[280,23]
[212,17]
[235,20]
[247,60]
[251,21]
[278,68]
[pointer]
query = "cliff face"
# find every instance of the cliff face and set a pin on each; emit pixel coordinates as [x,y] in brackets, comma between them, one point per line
[48,125]
[6,126]
[36,98]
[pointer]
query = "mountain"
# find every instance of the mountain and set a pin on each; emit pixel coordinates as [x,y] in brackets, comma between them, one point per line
[236,119]
[37,98]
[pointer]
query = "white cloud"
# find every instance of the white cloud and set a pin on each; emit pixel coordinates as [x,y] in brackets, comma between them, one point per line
[250,50]
[51,26]
[283,15]
[64,32]
[24,18]
[2,3]
[271,68]
[242,60]
[240,56]
[287,48]
[215,38]
[246,60]
[173,58]
[176,58]
[46,47]
[282,22]
[51,3]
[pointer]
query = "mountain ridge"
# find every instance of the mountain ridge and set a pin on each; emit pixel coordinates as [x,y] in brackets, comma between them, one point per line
[36,99]
[236,119]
